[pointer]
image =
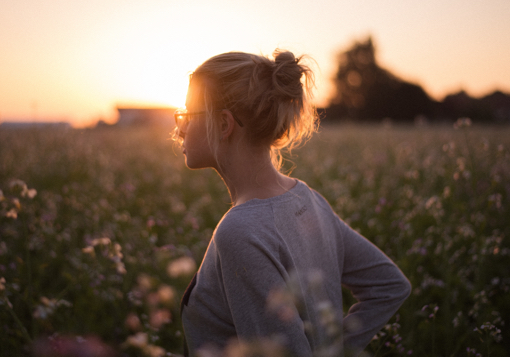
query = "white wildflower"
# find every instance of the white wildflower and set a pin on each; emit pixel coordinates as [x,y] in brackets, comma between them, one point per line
[181,266]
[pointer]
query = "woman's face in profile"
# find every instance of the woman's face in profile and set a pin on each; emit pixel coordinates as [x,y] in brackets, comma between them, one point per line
[196,149]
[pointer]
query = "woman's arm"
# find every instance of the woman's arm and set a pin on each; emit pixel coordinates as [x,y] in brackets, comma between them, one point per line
[376,282]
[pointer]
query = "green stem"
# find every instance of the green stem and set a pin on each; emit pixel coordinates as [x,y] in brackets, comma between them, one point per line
[472,165]
[29,269]
[381,344]
[18,321]
[434,336]
[470,152]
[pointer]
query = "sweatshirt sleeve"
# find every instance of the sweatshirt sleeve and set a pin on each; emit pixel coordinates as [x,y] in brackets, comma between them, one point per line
[375,282]
[251,272]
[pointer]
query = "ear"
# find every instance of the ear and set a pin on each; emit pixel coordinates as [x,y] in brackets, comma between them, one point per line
[227,124]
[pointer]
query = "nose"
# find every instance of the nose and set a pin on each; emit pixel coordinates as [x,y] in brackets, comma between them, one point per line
[183,125]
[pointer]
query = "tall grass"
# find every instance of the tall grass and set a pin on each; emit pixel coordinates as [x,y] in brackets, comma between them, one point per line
[100,232]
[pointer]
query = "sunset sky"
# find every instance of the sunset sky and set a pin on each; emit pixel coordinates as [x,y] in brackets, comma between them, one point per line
[77,60]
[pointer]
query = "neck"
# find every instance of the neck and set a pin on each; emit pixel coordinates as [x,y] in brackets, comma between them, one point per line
[250,174]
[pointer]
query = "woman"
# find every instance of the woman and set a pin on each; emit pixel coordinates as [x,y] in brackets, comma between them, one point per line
[276,263]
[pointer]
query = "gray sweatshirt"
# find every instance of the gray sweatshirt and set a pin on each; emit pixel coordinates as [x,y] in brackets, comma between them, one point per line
[275,269]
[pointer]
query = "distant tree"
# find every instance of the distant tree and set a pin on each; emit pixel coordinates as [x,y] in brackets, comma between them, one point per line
[499,104]
[365,91]
[460,105]
[493,108]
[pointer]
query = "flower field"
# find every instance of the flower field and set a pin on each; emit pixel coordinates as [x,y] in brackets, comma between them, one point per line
[101,231]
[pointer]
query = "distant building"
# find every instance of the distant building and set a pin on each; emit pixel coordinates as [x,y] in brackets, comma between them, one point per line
[146,116]
[61,125]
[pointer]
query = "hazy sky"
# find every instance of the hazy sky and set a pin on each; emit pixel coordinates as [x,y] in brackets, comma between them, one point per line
[76,60]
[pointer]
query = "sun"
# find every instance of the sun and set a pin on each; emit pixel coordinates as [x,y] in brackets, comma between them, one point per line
[158,79]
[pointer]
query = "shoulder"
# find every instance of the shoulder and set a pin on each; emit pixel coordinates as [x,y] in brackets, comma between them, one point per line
[315,200]
[246,218]
[245,226]
[319,199]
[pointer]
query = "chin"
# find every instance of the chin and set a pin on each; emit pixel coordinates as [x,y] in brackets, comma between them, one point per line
[190,165]
[197,161]
[194,165]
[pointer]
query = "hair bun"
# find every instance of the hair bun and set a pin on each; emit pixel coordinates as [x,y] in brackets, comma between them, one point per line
[287,75]
[283,56]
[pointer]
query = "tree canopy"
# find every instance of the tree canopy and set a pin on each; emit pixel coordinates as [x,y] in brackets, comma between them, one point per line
[365,91]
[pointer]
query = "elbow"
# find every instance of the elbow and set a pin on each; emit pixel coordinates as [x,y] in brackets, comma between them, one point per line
[409,288]
[401,289]
[405,288]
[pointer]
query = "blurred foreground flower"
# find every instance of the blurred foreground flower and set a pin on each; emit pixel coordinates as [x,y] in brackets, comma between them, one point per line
[141,342]
[11,205]
[181,267]
[462,123]
[48,307]
[154,351]
[166,295]
[282,303]
[101,241]
[262,347]
[133,322]
[160,317]
[69,346]
[18,186]
[12,214]
[114,252]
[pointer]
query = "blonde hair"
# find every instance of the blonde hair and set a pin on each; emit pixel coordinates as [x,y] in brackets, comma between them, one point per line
[271,97]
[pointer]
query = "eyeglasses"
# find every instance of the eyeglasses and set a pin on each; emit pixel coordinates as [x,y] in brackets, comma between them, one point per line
[183,117]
